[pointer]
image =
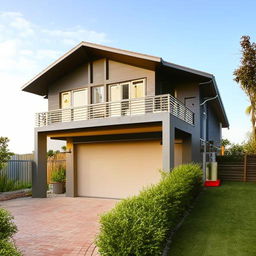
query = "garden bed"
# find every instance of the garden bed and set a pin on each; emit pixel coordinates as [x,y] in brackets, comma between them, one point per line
[15,194]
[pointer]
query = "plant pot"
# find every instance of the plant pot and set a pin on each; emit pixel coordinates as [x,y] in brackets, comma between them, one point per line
[58,188]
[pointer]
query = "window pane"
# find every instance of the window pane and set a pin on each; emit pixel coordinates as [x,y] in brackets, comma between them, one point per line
[66,100]
[115,92]
[138,89]
[125,91]
[80,98]
[98,94]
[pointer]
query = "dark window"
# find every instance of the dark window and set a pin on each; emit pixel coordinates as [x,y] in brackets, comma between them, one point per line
[125,91]
[107,69]
[91,72]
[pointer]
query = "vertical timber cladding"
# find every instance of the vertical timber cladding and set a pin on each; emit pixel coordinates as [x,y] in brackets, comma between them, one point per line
[117,169]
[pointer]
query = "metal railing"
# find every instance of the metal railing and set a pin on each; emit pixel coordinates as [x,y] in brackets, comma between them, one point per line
[131,107]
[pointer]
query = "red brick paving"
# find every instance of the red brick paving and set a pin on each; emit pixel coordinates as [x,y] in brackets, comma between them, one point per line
[56,226]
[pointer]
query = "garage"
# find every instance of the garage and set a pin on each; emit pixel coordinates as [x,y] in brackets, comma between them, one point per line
[117,169]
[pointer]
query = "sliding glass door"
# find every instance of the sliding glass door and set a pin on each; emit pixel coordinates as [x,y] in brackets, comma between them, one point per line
[80,102]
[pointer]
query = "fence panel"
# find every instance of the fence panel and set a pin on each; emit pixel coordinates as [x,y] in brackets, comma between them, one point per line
[19,168]
[241,170]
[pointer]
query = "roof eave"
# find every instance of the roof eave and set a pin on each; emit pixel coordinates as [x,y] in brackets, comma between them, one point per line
[226,124]
[206,75]
[186,69]
[92,45]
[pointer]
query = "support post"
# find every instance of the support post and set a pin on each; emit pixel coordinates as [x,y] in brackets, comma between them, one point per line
[71,178]
[39,176]
[168,137]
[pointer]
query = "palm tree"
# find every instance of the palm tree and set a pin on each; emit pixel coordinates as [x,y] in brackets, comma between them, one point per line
[250,111]
[245,75]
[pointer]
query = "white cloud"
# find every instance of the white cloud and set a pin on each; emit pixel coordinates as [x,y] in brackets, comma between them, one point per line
[25,49]
[76,34]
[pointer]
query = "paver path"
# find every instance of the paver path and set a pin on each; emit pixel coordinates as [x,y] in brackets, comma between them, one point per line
[56,226]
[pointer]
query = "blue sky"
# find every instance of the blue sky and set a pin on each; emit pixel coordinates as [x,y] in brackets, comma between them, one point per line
[199,34]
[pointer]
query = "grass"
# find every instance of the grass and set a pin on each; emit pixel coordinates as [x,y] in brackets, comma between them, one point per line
[222,223]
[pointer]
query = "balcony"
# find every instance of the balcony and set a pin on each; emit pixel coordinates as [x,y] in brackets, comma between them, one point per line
[131,107]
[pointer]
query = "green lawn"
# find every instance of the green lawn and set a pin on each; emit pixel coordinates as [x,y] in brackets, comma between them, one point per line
[223,222]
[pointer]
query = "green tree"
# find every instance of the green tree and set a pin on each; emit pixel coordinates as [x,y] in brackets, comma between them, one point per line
[225,142]
[245,75]
[5,154]
[235,150]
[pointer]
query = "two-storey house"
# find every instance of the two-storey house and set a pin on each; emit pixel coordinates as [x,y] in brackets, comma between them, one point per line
[124,116]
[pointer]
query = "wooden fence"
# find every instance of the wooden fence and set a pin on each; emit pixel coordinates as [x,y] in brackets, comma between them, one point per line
[243,169]
[20,167]
[55,162]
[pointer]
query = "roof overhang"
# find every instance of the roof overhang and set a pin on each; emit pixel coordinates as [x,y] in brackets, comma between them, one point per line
[210,85]
[83,53]
[86,52]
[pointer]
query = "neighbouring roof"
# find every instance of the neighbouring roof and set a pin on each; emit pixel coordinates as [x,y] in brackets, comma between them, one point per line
[86,51]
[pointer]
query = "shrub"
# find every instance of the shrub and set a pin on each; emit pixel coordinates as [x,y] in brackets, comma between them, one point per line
[11,185]
[59,175]
[7,230]
[7,248]
[139,225]
[7,227]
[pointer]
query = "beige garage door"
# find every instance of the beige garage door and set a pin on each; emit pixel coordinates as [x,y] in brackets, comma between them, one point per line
[117,169]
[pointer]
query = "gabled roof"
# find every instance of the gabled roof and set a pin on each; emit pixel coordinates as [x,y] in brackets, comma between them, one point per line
[78,55]
[86,51]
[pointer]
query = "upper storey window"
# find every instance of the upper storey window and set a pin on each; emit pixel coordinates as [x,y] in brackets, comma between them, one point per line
[127,90]
[97,94]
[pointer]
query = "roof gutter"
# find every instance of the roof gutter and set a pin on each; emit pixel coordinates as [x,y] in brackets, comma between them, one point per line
[213,82]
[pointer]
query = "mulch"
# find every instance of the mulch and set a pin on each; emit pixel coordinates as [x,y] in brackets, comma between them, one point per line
[15,194]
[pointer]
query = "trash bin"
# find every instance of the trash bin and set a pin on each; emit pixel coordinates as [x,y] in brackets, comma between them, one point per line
[214,171]
[211,171]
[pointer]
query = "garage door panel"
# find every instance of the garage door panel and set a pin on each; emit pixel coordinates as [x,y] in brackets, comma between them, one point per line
[117,169]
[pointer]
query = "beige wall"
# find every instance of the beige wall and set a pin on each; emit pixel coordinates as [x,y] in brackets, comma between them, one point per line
[80,77]
[119,72]
[99,72]
[117,169]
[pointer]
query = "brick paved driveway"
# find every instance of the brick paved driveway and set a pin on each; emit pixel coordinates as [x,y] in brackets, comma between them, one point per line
[56,226]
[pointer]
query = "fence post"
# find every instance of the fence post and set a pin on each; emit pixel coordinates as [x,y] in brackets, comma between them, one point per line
[245,168]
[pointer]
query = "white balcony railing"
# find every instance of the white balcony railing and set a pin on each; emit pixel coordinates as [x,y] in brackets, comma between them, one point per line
[131,107]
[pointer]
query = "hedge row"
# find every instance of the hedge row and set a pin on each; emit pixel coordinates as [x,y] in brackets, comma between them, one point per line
[140,225]
[7,230]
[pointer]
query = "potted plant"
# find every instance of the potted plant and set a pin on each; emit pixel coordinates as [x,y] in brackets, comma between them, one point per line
[58,178]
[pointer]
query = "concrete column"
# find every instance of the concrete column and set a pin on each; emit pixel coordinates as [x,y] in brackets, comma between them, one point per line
[168,137]
[39,177]
[71,178]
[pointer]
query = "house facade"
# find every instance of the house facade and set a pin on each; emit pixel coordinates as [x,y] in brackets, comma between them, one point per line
[124,116]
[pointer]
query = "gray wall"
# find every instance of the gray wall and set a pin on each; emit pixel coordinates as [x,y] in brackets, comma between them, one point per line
[213,127]
[80,78]
[74,80]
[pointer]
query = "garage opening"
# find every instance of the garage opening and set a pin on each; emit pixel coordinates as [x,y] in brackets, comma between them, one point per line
[117,169]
